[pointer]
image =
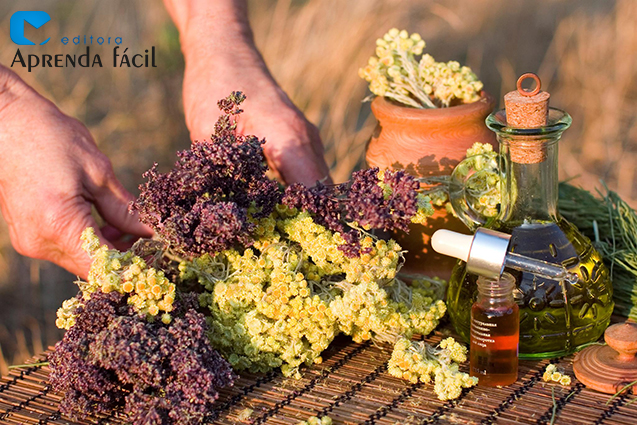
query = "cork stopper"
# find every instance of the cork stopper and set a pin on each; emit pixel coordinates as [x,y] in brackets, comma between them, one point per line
[527,109]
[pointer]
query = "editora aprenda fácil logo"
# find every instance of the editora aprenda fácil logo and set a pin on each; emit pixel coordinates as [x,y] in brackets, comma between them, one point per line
[34,18]
[121,58]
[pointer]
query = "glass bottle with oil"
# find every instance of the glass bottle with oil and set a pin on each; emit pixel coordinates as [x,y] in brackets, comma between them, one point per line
[556,316]
[495,327]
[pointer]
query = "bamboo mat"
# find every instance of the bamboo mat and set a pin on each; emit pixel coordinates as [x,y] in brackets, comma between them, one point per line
[352,386]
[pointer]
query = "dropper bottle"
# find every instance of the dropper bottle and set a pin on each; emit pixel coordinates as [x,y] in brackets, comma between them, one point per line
[495,331]
[565,301]
[488,252]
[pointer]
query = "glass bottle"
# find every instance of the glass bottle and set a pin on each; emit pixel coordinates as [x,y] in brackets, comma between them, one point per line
[495,325]
[555,316]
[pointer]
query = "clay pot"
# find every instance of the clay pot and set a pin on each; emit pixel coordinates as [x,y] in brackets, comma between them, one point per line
[427,142]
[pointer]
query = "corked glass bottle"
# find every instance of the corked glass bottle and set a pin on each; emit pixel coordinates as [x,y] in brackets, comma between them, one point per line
[555,316]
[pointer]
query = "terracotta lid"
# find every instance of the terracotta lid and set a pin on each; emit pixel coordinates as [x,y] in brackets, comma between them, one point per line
[609,368]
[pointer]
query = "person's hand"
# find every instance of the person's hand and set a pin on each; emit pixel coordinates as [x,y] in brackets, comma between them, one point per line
[293,146]
[220,58]
[51,172]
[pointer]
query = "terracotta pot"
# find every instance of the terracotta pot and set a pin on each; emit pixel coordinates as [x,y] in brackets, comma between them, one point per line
[427,142]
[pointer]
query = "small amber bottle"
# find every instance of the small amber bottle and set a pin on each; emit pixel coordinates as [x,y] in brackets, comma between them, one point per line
[495,332]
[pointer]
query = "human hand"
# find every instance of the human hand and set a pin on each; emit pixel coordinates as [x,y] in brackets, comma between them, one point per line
[220,58]
[293,146]
[50,175]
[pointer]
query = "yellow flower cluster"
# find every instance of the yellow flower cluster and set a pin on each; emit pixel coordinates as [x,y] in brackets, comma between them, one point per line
[551,374]
[380,263]
[313,420]
[422,311]
[386,73]
[366,310]
[281,302]
[396,73]
[265,312]
[418,361]
[480,149]
[448,81]
[66,314]
[149,291]
[480,176]
[244,415]
[433,287]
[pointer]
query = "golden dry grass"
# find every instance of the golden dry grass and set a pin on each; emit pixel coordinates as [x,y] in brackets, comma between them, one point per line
[585,51]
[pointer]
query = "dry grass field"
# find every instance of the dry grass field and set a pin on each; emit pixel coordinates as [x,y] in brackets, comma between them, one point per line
[585,51]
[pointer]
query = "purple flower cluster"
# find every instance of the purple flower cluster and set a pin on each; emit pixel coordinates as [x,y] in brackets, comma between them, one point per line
[206,202]
[321,201]
[362,201]
[366,203]
[203,204]
[160,374]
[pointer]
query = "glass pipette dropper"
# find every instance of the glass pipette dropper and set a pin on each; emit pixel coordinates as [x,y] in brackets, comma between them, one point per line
[539,267]
[487,254]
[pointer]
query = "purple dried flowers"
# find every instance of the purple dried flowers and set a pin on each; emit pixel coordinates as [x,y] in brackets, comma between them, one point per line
[114,358]
[370,200]
[208,201]
[205,202]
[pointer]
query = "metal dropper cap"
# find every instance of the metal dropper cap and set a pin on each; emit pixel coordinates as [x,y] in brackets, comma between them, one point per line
[485,252]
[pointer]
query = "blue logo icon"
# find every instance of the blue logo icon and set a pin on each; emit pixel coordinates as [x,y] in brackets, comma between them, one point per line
[18,20]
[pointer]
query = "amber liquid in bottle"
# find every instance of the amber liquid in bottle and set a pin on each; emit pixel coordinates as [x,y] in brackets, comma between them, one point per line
[495,331]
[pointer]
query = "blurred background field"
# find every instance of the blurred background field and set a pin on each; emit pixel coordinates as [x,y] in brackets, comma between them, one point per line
[585,52]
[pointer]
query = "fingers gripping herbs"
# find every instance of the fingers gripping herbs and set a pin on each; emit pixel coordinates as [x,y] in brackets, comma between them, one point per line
[208,202]
[245,270]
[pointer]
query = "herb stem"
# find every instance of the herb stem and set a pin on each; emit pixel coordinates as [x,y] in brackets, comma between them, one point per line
[19,366]
[554,406]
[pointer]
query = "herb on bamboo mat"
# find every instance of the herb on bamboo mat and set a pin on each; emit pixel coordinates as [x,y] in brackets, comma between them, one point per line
[314,420]
[282,272]
[243,270]
[158,373]
[612,226]
[244,415]
[420,362]
[554,411]
[621,391]
[552,374]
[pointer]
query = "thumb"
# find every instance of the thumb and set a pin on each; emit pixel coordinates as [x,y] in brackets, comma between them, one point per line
[112,203]
[67,252]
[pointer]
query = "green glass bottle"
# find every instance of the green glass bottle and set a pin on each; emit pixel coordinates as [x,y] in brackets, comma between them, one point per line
[555,316]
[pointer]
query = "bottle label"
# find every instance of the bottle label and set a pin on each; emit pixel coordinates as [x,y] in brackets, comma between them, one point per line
[481,333]
[494,345]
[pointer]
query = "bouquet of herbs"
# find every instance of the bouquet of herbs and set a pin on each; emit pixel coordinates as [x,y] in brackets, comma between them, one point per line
[243,275]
